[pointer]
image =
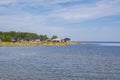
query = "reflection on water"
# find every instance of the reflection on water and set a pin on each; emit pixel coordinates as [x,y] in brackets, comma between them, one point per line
[106,43]
[75,62]
[110,44]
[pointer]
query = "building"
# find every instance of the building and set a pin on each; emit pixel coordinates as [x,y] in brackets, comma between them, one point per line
[14,39]
[56,40]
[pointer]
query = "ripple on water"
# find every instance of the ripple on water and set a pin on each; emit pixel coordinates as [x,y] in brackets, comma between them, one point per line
[74,62]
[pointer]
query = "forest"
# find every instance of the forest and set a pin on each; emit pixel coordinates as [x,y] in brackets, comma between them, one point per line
[17,36]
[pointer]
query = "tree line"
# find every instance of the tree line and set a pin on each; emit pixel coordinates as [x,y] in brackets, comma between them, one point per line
[8,36]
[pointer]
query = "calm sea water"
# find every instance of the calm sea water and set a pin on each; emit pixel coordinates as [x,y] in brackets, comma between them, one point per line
[74,62]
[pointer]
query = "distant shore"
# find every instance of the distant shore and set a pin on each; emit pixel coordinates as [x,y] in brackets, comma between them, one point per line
[11,44]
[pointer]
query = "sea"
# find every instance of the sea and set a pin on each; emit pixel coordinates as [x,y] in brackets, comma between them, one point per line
[92,61]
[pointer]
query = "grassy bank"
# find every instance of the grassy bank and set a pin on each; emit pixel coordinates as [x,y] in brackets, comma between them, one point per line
[8,44]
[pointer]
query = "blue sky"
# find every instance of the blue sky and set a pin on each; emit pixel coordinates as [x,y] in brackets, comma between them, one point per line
[84,20]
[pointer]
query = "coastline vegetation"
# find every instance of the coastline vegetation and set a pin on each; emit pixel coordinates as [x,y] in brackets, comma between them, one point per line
[18,36]
[13,38]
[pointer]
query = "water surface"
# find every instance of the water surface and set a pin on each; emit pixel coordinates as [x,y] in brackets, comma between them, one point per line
[74,62]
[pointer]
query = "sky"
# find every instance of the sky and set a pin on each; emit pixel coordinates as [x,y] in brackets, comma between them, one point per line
[80,20]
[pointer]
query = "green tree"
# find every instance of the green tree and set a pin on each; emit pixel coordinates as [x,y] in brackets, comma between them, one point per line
[45,37]
[67,39]
[54,37]
[7,38]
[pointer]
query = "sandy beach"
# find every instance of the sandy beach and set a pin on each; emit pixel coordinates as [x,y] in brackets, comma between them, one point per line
[8,44]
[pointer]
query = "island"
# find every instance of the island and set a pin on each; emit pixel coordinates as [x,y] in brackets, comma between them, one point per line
[13,38]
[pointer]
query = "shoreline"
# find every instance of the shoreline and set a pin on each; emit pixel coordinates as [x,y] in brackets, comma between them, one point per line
[27,44]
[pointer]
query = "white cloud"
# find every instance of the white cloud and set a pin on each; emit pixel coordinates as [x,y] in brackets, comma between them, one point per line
[101,8]
[90,11]
[5,2]
[22,20]
[2,9]
[36,2]
[30,23]
[13,7]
